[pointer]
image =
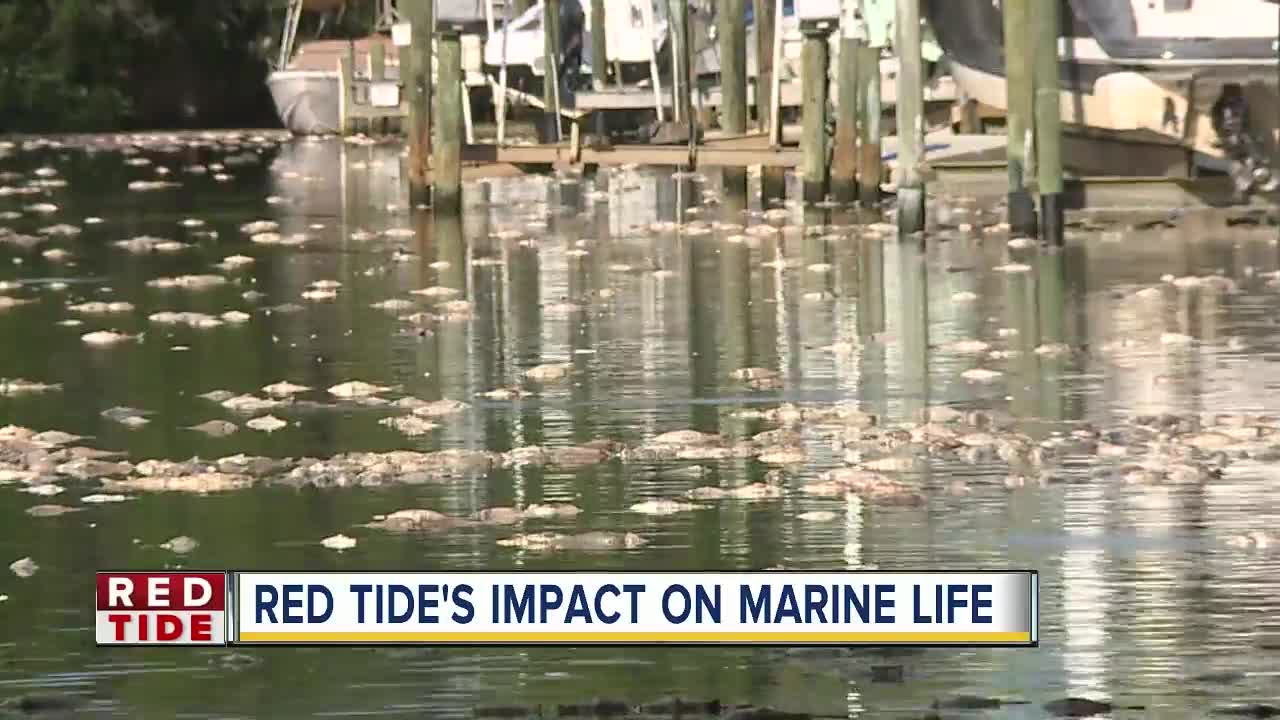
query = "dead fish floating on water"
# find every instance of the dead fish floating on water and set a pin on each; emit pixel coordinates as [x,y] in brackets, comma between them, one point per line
[108,338]
[664,507]
[18,386]
[588,541]
[284,389]
[410,425]
[180,545]
[338,542]
[267,424]
[358,389]
[975,702]
[24,568]
[46,511]
[127,416]
[548,372]
[215,428]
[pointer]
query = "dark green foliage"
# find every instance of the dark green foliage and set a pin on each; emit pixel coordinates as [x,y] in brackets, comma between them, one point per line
[103,65]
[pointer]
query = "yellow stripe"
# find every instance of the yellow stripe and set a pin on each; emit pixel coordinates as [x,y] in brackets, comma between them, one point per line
[638,637]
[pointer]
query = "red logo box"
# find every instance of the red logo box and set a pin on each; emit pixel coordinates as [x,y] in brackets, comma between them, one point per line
[161,608]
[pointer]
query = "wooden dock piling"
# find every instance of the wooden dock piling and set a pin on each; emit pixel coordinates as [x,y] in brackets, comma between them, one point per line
[1048,122]
[844,161]
[772,179]
[599,59]
[733,66]
[416,78]
[910,114]
[813,141]
[551,129]
[1018,62]
[870,164]
[377,74]
[446,161]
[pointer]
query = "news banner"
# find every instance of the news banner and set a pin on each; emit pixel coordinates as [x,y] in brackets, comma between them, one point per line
[568,608]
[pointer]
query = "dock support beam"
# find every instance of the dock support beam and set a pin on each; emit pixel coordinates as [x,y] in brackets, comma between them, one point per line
[1048,123]
[870,165]
[1018,63]
[844,161]
[733,66]
[910,107]
[446,165]
[417,82]
[813,85]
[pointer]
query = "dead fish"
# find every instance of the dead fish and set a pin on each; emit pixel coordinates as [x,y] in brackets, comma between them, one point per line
[548,372]
[24,568]
[266,423]
[188,282]
[102,308]
[664,507]
[498,516]
[686,437]
[440,408]
[338,542]
[417,519]
[215,428]
[103,498]
[817,516]
[599,540]
[235,317]
[43,511]
[218,396]
[18,386]
[980,375]
[130,417]
[259,226]
[200,483]
[43,489]
[180,545]
[151,185]
[249,403]
[409,425]
[7,302]
[55,437]
[357,388]
[552,510]
[107,338]
[234,262]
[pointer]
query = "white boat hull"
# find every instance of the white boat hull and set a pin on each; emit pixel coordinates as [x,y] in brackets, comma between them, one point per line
[306,100]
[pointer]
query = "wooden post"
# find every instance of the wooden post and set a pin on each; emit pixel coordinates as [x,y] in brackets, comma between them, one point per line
[910,106]
[599,46]
[844,161]
[772,179]
[870,166]
[813,141]
[678,31]
[733,66]
[416,78]
[446,161]
[1048,123]
[1018,63]
[551,71]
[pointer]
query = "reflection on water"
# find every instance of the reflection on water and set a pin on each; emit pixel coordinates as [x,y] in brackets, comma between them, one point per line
[655,289]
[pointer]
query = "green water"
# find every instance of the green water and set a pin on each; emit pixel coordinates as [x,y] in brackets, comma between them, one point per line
[1140,593]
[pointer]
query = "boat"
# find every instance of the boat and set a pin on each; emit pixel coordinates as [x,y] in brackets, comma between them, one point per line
[305,84]
[1148,87]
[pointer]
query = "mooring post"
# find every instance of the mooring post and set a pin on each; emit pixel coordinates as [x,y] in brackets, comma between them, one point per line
[345,70]
[844,161]
[551,71]
[733,66]
[870,165]
[1048,123]
[416,78]
[446,161]
[813,85]
[910,106]
[1018,63]
[405,60]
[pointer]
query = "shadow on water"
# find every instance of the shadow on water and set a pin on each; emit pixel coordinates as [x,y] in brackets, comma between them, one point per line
[656,289]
